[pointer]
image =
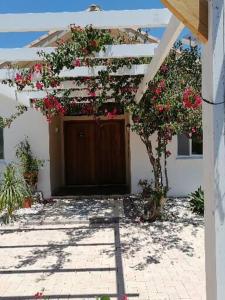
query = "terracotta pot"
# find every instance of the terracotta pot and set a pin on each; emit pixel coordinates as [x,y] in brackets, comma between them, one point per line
[27,202]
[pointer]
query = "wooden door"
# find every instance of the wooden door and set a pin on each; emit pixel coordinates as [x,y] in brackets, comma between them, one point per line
[95,152]
[79,152]
[110,152]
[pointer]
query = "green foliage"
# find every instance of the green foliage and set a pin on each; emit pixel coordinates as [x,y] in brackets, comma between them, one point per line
[104,298]
[13,190]
[27,161]
[197,201]
[6,122]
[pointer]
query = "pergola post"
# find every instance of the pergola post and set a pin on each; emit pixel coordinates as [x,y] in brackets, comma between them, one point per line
[214,151]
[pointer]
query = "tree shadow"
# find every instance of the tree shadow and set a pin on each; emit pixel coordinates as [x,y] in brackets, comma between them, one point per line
[161,236]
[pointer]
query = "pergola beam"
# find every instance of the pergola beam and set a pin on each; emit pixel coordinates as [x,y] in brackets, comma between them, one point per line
[170,36]
[35,94]
[84,72]
[111,51]
[193,13]
[141,18]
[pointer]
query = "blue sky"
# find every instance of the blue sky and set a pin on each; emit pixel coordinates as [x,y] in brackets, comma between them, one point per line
[9,40]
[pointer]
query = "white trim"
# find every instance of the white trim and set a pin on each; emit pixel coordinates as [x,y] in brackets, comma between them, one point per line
[189,156]
[111,51]
[171,34]
[140,18]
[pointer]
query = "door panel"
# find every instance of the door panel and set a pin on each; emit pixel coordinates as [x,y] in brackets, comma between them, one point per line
[95,152]
[111,152]
[79,153]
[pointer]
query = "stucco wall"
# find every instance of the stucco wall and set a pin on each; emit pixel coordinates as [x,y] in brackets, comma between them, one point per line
[185,174]
[33,125]
[56,154]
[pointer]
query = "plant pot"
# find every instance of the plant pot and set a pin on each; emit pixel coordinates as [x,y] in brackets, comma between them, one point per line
[27,202]
[31,178]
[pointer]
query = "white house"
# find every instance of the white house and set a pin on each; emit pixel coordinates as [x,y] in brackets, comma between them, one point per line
[75,154]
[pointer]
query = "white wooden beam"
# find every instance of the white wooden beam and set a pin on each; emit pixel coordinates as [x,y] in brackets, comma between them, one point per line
[101,19]
[83,72]
[6,91]
[112,51]
[170,36]
[35,94]
[214,151]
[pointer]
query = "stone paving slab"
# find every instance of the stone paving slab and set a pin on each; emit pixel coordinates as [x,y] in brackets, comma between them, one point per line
[162,260]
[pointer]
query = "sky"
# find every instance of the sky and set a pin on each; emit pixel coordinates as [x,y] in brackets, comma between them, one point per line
[11,40]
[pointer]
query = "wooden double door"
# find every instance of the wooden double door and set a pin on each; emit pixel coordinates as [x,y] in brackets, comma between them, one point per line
[95,152]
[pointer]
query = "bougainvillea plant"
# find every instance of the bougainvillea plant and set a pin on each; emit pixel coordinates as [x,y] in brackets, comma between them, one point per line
[78,51]
[171,105]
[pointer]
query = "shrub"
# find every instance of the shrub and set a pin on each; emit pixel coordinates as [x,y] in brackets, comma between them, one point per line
[197,201]
[13,191]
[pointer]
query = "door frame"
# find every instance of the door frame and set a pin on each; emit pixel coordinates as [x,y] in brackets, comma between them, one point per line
[124,117]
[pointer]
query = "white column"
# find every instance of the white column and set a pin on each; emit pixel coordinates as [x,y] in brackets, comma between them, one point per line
[214,152]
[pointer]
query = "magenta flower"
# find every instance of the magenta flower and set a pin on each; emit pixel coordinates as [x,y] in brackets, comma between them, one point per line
[76,63]
[39,85]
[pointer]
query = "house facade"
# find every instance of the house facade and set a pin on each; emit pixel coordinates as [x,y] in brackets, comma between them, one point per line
[78,151]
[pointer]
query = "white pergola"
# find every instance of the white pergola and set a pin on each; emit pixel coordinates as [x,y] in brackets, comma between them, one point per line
[207,22]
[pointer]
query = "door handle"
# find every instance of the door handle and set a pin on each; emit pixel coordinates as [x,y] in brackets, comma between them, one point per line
[81,134]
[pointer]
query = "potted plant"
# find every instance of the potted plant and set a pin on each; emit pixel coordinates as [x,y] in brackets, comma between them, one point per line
[14,192]
[29,164]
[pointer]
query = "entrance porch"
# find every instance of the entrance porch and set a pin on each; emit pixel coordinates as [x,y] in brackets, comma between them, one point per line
[89,156]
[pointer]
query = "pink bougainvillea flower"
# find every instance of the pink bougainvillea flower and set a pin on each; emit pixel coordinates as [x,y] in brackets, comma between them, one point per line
[125,297]
[92,94]
[38,68]
[164,68]
[76,63]
[191,100]
[162,84]
[38,295]
[168,153]
[54,83]
[111,115]
[198,101]
[159,107]
[18,77]
[39,85]
[158,91]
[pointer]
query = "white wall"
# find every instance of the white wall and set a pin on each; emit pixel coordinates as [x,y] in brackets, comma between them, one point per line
[56,154]
[33,125]
[185,174]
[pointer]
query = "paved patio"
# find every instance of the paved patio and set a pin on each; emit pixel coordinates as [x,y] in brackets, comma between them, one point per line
[66,251]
